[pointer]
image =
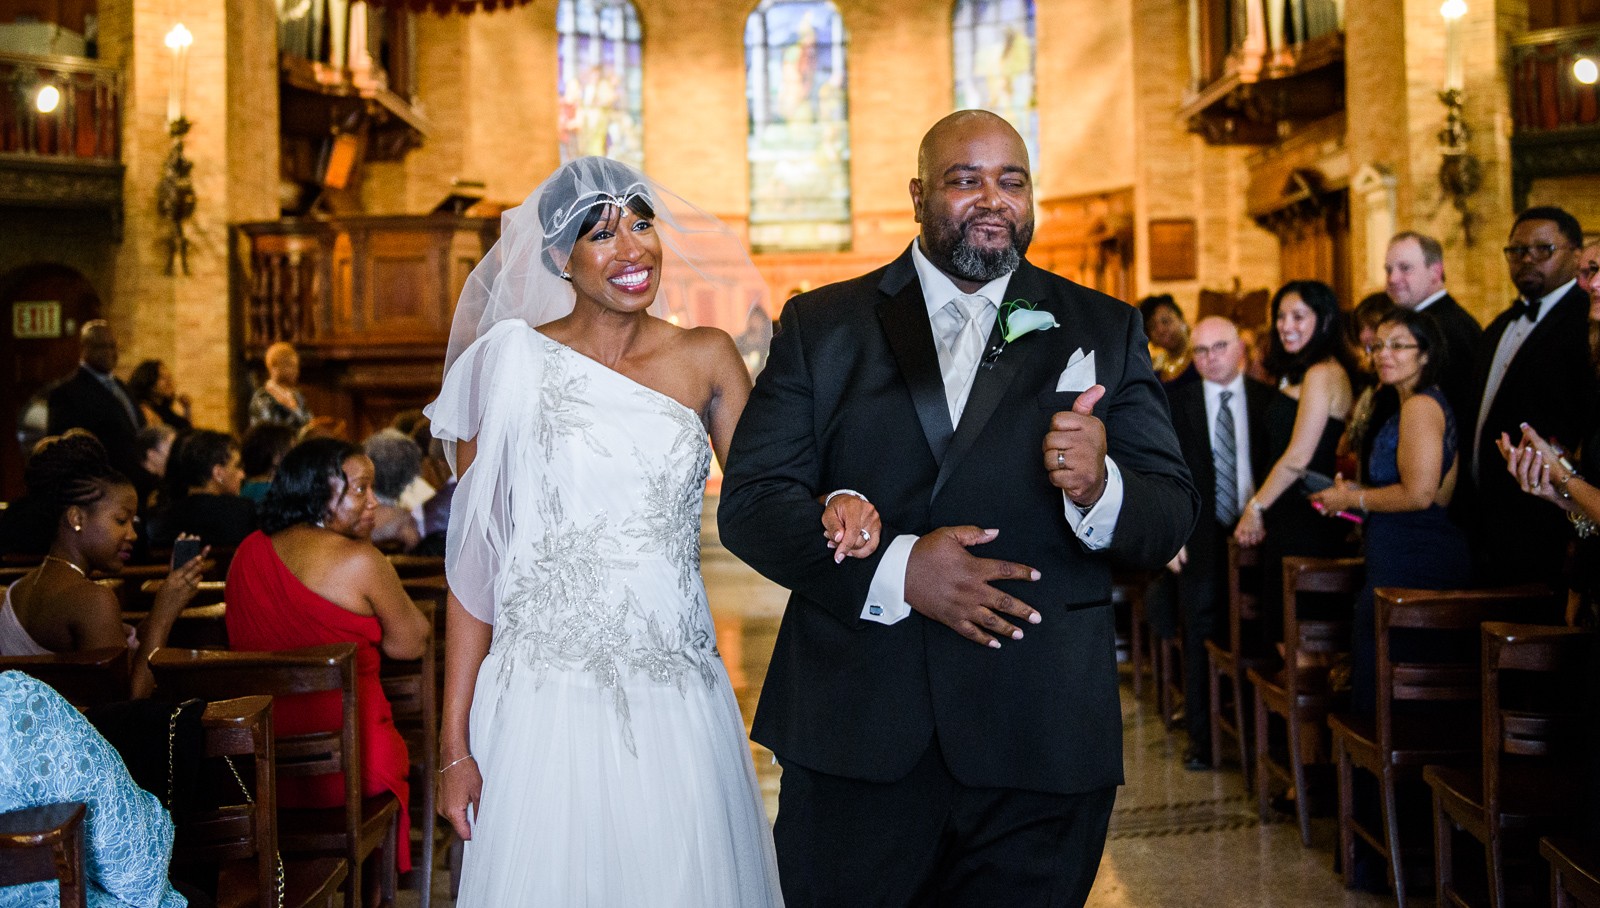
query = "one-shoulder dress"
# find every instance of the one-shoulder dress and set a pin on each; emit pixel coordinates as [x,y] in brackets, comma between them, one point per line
[269,609]
[614,759]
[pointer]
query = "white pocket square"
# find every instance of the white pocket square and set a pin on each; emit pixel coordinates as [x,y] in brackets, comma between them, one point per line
[1079,373]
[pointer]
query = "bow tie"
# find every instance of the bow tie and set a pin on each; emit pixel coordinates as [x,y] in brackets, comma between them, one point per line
[1527,309]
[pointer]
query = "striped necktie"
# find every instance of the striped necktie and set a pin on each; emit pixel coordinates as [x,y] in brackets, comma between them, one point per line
[1225,460]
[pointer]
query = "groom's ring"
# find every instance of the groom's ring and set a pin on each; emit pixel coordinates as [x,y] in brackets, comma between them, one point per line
[1061,460]
[866,536]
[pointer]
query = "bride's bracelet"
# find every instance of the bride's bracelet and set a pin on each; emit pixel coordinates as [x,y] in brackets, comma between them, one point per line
[453,763]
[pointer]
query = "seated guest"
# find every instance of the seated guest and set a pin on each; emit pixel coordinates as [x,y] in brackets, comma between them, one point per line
[1169,340]
[279,400]
[310,577]
[75,499]
[1411,475]
[152,389]
[397,462]
[263,447]
[435,522]
[203,481]
[153,447]
[50,754]
[419,429]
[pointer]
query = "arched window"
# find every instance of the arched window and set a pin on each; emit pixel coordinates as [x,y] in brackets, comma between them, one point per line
[601,111]
[994,48]
[799,126]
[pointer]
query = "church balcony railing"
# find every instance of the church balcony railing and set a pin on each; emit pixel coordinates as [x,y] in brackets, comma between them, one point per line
[1555,115]
[60,133]
[1261,66]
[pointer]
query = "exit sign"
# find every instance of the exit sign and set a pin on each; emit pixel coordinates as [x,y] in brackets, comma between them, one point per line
[34,320]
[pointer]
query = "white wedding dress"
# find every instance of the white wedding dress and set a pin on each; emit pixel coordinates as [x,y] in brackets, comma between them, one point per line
[615,766]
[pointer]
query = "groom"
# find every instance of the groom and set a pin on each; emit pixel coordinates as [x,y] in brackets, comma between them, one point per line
[947,720]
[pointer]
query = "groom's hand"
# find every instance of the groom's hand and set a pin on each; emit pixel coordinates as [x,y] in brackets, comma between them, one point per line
[1075,450]
[948,584]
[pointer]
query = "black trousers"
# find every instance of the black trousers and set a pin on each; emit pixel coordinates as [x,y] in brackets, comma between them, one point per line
[1203,601]
[928,840]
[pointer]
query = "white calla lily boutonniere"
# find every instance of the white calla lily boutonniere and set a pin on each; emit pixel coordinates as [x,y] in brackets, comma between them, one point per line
[1018,318]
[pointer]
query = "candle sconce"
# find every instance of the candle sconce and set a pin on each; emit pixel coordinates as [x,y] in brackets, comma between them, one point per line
[1460,173]
[175,197]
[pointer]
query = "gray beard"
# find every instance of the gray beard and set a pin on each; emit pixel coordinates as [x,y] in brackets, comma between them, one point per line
[983,266]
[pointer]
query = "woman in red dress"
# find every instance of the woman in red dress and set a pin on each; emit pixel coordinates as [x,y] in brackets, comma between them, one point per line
[310,577]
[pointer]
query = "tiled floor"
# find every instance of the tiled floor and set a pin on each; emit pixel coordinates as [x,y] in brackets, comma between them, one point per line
[1177,838]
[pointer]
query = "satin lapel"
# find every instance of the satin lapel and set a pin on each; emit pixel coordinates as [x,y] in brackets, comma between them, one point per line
[905,323]
[990,385]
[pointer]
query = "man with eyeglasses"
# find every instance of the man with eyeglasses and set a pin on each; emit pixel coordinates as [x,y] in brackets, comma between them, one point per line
[1220,422]
[1534,369]
[1414,278]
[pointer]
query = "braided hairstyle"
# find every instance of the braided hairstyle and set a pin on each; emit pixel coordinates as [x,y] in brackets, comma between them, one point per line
[64,471]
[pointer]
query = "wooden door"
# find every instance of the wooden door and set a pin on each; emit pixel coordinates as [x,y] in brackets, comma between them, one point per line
[43,305]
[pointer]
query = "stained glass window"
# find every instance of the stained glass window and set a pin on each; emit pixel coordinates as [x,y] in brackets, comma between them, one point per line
[799,126]
[600,111]
[994,48]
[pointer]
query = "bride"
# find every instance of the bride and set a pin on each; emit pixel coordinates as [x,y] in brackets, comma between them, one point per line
[592,751]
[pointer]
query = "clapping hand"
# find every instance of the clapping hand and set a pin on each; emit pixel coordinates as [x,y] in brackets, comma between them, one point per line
[851,526]
[1534,463]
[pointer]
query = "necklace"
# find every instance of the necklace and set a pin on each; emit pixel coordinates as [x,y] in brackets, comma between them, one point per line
[69,564]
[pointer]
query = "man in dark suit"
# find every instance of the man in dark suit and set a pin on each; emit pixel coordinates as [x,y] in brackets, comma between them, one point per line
[92,398]
[1220,422]
[923,759]
[1534,369]
[1414,268]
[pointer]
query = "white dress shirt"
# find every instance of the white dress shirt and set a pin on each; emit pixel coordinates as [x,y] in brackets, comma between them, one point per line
[1241,431]
[886,597]
[1436,296]
[1506,351]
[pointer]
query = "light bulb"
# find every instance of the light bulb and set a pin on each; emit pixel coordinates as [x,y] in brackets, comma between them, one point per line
[179,37]
[1585,71]
[1453,9]
[49,98]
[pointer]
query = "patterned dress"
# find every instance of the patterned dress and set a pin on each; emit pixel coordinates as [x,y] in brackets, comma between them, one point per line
[49,753]
[615,766]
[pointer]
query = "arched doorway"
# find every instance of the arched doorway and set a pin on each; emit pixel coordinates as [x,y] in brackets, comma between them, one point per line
[43,305]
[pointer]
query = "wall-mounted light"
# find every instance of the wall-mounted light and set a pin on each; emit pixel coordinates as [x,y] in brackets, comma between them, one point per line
[1460,174]
[1586,71]
[175,197]
[47,100]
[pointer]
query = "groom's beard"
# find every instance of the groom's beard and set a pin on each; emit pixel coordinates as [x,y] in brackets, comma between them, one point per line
[948,248]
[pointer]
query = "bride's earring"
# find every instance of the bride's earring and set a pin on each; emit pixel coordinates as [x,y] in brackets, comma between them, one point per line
[566,277]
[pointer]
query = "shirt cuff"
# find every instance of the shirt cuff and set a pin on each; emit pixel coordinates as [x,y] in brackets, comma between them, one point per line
[1095,527]
[886,597]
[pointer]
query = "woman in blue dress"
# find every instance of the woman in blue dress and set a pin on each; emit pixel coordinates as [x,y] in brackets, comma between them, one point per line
[1411,476]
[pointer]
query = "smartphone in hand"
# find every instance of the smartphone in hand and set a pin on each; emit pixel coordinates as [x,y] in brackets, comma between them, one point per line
[185,550]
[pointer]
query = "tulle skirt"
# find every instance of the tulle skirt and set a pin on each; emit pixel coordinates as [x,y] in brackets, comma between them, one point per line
[571,816]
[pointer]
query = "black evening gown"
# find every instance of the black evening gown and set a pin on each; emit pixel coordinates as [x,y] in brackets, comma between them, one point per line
[1294,528]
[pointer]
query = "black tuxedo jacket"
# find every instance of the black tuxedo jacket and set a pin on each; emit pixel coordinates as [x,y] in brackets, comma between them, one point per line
[1463,338]
[82,402]
[1194,438]
[852,398]
[1549,386]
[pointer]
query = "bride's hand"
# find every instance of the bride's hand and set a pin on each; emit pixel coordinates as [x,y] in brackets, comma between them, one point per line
[851,526]
[459,788]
